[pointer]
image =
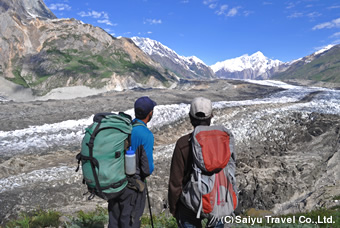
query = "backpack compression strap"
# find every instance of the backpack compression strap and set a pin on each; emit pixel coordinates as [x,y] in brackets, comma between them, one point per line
[93,161]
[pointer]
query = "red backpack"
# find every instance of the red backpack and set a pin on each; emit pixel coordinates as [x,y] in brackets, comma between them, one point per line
[211,191]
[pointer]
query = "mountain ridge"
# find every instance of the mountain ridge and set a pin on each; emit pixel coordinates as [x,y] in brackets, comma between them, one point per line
[184,67]
[322,65]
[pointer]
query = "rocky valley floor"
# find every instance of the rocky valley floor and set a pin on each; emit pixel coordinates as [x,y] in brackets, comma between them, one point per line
[287,157]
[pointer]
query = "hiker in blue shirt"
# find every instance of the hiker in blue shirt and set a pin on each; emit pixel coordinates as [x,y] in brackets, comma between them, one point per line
[142,139]
[127,209]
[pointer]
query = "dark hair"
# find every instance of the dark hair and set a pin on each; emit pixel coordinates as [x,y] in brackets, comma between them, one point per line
[196,122]
[140,114]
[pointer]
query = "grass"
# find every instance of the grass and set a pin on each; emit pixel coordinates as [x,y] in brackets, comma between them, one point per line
[100,66]
[18,79]
[99,218]
[80,65]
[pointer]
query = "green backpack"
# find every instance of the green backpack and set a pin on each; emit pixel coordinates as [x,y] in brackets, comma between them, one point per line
[102,154]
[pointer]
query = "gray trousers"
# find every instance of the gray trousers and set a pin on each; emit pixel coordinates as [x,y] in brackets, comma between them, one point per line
[126,209]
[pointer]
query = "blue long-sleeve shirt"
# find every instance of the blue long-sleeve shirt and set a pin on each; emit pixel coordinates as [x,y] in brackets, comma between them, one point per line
[142,141]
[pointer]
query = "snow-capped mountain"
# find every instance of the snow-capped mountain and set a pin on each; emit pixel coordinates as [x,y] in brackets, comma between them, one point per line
[255,66]
[184,67]
[309,58]
[322,65]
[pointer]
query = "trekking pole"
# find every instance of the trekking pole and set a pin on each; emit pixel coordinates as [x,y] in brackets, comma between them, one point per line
[147,193]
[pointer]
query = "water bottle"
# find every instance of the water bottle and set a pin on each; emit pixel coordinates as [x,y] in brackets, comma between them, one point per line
[130,162]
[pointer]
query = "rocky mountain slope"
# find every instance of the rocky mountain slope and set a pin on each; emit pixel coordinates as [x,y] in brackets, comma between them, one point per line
[255,66]
[184,67]
[323,65]
[41,52]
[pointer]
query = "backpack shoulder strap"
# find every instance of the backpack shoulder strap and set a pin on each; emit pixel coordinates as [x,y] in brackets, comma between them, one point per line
[136,123]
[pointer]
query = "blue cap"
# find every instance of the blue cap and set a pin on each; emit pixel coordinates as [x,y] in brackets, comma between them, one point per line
[143,106]
[130,151]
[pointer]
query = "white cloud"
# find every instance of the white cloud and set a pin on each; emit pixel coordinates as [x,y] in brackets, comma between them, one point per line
[222,10]
[247,13]
[228,13]
[291,5]
[110,31]
[334,7]
[102,17]
[153,21]
[323,25]
[107,22]
[233,12]
[331,24]
[267,3]
[213,5]
[295,15]
[94,14]
[335,42]
[337,34]
[83,14]
[208,2]
[59,6]
[314,14]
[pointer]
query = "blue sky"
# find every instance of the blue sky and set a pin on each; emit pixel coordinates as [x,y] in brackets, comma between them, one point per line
[216,30]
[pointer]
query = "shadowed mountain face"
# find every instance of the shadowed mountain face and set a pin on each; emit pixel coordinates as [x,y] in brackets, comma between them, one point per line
[41,52]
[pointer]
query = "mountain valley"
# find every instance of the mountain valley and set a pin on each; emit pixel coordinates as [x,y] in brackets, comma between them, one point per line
[55,74]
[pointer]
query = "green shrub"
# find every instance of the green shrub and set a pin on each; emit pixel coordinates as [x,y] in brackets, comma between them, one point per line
[92,219]
[45,218]
[36,219]
[159,221]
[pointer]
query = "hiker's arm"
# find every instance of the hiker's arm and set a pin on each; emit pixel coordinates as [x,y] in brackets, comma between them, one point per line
[142,141]
[175,179]
[146,155]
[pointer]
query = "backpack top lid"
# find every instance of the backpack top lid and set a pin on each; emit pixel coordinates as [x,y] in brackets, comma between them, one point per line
[99,116]
[211,148]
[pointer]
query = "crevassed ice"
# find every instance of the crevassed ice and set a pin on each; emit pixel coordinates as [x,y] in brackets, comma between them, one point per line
[62,173]
[71,132]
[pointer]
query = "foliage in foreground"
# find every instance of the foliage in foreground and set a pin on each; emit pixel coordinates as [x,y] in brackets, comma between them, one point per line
[99,219]
[38,218]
